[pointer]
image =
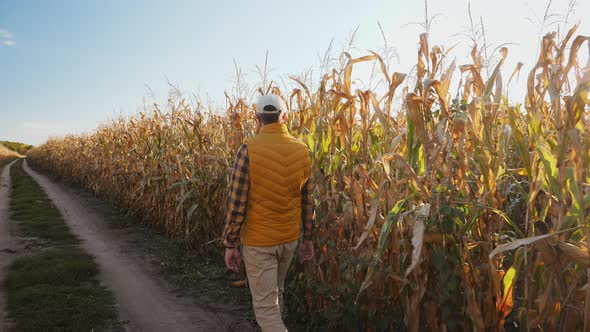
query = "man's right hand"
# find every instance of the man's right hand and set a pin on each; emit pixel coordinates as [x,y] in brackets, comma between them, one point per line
[306,252]
[233,260]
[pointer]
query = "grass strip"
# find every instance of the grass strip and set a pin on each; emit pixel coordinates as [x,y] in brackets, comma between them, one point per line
[55,287]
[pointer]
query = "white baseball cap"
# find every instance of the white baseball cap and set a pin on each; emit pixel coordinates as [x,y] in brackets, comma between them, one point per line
[270,104]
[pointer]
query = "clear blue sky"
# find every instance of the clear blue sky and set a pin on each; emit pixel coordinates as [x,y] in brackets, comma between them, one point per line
[67,66]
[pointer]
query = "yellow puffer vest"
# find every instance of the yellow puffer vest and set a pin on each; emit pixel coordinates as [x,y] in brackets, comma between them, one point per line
[279,167]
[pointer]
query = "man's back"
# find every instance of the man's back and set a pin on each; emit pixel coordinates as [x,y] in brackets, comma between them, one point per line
[279,168]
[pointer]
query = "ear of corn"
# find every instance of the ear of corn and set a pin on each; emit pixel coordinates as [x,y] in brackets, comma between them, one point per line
[414,189]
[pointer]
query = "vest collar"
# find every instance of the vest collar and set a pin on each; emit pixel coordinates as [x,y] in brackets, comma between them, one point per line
[274,128]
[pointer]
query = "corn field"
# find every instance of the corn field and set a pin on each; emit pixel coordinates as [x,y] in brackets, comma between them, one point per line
[7,155]
[440,205]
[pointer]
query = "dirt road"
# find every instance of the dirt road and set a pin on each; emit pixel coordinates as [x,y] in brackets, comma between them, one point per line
[143,300]
[5,239]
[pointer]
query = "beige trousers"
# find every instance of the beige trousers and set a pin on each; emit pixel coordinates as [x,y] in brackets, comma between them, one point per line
[266,268]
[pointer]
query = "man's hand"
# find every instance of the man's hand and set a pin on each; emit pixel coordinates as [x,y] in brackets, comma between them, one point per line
[233,260]
[306,252]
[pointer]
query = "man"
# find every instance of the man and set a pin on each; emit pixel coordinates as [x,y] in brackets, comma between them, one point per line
[270,200]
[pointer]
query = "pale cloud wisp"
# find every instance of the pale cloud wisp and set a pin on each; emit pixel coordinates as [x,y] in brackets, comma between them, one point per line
[6,38]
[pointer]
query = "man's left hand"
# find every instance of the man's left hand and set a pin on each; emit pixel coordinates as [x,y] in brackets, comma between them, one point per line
[233,259]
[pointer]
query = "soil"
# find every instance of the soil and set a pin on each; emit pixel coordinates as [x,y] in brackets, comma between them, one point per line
[7,249]
[153,293]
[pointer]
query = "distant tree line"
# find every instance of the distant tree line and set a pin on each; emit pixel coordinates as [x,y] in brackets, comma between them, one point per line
[21,148]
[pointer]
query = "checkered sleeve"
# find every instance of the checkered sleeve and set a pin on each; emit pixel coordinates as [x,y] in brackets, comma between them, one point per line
[307,209]
[237,199]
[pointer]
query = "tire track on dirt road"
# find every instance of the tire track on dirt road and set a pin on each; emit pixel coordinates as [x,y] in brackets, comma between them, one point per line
[5,235]
[143,300]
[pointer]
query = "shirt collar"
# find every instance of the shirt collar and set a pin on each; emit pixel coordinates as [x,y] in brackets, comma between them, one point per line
[275,128]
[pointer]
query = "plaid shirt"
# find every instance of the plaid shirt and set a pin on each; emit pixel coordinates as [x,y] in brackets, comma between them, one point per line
[238,201]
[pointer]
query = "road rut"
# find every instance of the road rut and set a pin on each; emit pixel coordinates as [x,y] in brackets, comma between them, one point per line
[6,243]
